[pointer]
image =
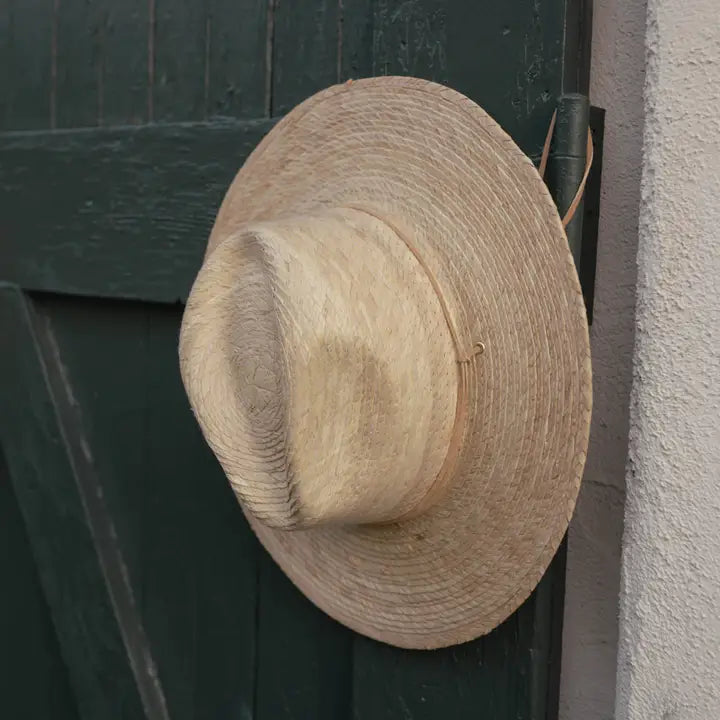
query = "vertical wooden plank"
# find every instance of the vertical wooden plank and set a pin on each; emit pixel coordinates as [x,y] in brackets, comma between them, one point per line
[79,67]
[102,58]
[305,50]
[356,39]
[180,47]
[199,555]
[33,678]
[304,664]
[26,36]
[237,58]
[123,48]
[79,561]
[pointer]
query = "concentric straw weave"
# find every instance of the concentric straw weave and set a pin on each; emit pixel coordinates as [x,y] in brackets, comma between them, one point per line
[322,369]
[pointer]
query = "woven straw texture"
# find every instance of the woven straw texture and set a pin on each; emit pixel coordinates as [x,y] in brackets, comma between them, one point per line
[310,256]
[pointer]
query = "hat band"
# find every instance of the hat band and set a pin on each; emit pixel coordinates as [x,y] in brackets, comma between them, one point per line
[464,359]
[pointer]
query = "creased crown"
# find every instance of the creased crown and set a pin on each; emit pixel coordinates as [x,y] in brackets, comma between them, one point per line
[321,370]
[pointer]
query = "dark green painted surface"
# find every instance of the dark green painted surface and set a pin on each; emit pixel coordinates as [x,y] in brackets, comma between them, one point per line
[189,555]
[48,456]
[154,599]
[115,213]
[236,67]
[26,64]
[305,50]
[77,53]
[32,673]
[179,57]
[356,39]
[122,91]
[298,643]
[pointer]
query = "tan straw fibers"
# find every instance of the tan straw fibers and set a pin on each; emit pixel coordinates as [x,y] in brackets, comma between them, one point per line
[386,348]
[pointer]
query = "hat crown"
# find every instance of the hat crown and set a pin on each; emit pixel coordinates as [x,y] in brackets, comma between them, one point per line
[320,366]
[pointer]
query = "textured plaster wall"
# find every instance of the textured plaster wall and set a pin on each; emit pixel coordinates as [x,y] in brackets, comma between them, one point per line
[669,650]
[589,662]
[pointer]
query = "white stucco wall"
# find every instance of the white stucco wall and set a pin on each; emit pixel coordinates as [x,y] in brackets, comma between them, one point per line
[669,649]
[589,662]
[667,665]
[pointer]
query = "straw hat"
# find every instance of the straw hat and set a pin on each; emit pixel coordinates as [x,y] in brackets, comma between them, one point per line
[386,348]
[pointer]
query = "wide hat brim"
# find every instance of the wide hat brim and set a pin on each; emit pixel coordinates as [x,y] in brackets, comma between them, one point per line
[485,223]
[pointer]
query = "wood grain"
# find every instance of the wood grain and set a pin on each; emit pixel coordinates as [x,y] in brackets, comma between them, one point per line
[115,213]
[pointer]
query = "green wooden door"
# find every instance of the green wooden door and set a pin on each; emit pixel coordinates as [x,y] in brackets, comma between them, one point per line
[132,586]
